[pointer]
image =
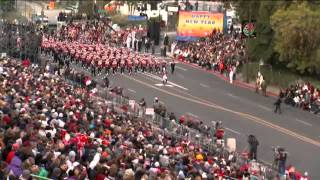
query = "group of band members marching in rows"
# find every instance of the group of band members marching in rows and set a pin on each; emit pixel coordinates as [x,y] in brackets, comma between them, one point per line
[102,57]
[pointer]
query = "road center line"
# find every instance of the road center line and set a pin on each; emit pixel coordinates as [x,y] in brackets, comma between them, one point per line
[245,115]
[234,131]
[303,122]
[181,68]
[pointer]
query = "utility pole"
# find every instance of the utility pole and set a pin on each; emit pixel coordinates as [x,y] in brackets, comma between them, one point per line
[25,8]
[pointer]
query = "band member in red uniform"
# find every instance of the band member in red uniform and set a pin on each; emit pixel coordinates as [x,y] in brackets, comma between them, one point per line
[143,64]
[107,66]
[114,66]
[129,66]
[99,64]
[122,65]
[137,64]
[157,67]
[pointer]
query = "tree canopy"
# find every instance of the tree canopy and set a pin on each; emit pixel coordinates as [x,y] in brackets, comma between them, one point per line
[297,36]
[286,32]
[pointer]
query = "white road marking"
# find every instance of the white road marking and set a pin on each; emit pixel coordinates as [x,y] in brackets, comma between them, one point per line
[234,131]
[160,85]
[192,114]
[131,90]
[303,122]
[231,95]
[181,68]
[204,85]
[169,82]
[264,107]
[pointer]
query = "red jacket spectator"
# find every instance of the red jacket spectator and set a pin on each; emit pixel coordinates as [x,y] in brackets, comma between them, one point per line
[26,63]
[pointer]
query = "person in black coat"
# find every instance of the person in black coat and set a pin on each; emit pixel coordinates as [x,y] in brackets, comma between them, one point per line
[172,64]
[106,82]
[253,146]
[278,103]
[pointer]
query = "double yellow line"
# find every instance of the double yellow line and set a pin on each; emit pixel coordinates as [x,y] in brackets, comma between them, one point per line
[215,106]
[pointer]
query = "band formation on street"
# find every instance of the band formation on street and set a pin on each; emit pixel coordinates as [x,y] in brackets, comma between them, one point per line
[85,96]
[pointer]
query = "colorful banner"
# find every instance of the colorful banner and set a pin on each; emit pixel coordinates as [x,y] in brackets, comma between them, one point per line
[196,24]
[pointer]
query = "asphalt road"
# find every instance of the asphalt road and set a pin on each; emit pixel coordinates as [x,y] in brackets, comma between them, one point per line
[243,112]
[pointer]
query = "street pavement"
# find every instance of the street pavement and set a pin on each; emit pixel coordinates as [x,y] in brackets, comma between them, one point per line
[191,90]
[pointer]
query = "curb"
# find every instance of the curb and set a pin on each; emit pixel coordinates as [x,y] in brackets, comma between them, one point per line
[235,82]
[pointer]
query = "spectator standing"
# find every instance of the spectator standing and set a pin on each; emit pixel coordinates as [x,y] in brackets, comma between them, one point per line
[147,45]
[157,109]
[282,161]
[253,147]
[231,73]
[143,106]
[152,47]
[166,40]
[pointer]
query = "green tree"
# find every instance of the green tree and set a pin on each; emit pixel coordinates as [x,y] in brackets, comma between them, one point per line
[6,6]
[86,7]
[261,47]
[260,12]
[297,36]
[246,10]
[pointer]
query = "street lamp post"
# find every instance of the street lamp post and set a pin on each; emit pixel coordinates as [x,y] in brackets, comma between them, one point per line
[247,49]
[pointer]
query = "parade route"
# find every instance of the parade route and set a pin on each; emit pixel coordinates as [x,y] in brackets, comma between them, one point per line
[242,112]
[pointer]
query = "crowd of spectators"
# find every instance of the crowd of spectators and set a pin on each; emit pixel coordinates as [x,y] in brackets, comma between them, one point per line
[19,40]
[87,32]
[52,129]
[304,96]
[101,32]
[219,52]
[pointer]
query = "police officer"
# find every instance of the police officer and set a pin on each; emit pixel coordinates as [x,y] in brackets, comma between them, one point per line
[278,103]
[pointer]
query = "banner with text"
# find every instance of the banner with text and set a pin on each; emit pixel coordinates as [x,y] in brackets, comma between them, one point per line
[196,24]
